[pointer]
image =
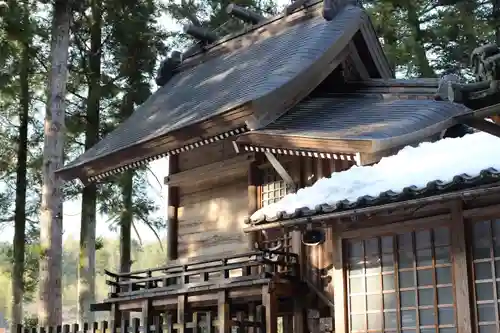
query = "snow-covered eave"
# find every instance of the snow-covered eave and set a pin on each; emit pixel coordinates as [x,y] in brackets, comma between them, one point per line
[324,219]
[443,166]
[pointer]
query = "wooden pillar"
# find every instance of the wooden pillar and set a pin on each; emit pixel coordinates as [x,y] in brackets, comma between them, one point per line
[116,318]
[173,208]
[181,313]
[224,314]
[253,199]
[147,316]
[339,286]
[460,271]
[270,304]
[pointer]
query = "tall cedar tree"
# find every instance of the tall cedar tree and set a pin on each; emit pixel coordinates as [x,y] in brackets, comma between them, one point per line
[25,40]
[86,267]
[50,305]
[136,43]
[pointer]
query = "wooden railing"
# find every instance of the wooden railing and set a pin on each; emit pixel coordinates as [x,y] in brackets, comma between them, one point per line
[205,322]
[203,273]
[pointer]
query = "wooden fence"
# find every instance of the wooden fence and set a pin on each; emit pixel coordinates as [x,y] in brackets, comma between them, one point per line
[200,322]
[201,273]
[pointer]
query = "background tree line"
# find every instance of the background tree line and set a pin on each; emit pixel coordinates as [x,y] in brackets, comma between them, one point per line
[114,51]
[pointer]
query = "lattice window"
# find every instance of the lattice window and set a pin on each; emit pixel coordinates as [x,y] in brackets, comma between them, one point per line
[272,190]
[401,283]
[486,275]
[273,187]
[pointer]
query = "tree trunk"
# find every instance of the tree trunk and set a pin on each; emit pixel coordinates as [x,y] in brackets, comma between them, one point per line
[126,222]
[86,267]
[50,288]
[20,209]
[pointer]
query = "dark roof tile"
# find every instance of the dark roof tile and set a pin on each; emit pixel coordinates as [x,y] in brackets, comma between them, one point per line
[368,118]
[459,182]
[225,82]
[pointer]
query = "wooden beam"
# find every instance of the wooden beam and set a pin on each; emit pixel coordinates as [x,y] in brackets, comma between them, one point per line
[206,173]
[488,111]
[173,210]
[360,66]
[482,125]
[281,171]
[460,267]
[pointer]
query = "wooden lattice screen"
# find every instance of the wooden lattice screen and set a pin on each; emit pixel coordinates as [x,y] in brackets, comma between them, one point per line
[272,190]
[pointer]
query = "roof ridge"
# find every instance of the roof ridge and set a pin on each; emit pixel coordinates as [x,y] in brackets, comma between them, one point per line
[244,31]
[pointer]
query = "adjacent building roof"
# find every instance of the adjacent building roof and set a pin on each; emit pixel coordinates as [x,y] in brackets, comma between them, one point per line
[367,123]
[234,74]
[446,165]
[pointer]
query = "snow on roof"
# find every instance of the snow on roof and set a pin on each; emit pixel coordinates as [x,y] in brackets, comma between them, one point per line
[411,166]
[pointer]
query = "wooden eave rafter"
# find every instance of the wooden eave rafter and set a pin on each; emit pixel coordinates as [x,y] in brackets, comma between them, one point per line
[295,152]
[475,119]
[297,145]
[217,128]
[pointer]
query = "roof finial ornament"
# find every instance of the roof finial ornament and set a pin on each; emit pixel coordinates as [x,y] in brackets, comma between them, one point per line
[202,34]
[168,68]
[485,62]
[244,14]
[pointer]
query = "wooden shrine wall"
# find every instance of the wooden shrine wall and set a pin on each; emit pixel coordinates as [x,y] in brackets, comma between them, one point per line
[211,220]
[213,201]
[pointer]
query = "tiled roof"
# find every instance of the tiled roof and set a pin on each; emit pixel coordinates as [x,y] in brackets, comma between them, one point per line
[387,122]
[226,81]
[459,182]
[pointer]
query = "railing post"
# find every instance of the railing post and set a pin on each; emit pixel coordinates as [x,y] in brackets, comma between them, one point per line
[181,314]
[146,316]
[271,310]
[224,314]
[116,318]
[104,326]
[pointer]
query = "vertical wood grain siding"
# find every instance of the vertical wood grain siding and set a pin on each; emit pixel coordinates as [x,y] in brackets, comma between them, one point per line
[211,221]
[211,218]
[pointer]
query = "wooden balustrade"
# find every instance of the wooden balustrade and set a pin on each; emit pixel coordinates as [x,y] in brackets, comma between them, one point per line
[203,273]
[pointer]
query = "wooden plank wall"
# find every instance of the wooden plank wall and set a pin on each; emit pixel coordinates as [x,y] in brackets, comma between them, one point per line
[211,217]
[211,221]
[215,152]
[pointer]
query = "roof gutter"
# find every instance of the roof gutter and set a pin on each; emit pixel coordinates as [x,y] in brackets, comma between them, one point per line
[322,218]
